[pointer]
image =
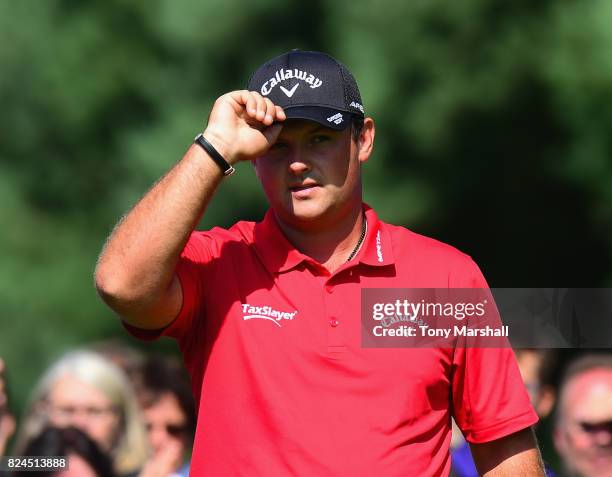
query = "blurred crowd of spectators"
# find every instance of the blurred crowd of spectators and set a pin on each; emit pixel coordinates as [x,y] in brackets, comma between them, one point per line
[571,390]
[112,411]
[116,412]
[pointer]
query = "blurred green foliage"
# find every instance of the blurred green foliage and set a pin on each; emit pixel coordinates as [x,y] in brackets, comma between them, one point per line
[493,117]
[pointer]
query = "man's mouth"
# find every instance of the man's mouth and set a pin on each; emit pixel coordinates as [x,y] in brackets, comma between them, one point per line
[303,186]
[304,189]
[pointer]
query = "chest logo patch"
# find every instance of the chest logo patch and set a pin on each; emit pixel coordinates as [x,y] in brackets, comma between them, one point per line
[250,312]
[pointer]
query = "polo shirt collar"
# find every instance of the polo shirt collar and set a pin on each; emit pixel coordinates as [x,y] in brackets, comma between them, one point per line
[275,250]
[279,255]
[377,249]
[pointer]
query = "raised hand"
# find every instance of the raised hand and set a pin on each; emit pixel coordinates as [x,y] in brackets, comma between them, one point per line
[243,125]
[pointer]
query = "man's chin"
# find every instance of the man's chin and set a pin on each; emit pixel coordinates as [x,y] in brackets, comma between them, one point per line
[305,212]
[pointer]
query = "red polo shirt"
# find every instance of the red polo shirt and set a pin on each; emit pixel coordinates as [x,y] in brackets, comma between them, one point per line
[283,387]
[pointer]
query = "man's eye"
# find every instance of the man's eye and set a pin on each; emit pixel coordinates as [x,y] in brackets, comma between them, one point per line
[277,146]
[320,138]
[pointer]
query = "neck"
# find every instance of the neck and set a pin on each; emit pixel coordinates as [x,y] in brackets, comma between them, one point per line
[330,246]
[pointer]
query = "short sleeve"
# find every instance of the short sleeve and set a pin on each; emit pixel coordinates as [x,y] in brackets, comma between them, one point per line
[195,263]
[489,397]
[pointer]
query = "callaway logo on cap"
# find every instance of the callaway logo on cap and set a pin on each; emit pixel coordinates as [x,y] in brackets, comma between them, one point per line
[310,85]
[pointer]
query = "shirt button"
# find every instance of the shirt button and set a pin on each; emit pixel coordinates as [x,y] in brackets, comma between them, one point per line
[333,322]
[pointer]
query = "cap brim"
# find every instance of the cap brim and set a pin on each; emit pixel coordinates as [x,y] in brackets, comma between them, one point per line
[328,117]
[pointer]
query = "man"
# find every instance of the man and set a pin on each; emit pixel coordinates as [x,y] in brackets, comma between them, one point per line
[267,314]
[583,429]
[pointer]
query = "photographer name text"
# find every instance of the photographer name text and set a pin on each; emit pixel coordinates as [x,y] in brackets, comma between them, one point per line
[425,331]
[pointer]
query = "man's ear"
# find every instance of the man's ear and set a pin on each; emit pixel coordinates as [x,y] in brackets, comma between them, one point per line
[545,401]
[365,142]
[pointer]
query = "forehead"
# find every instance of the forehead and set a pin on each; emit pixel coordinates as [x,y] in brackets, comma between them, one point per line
[166,407]
[589,396]
[70,390]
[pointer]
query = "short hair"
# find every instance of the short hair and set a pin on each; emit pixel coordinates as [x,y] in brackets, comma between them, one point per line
[162,375]
[131,450]
[585,363]
[356,126]
[56,442]
[579,366]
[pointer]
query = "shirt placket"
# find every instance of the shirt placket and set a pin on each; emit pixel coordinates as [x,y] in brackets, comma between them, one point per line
[336,319]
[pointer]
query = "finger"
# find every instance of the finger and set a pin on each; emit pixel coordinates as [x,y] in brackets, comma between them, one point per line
[262,107]
[270,112]
[280,114]
[250,103]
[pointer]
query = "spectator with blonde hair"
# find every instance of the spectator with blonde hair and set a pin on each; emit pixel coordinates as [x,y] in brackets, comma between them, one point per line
[85,390]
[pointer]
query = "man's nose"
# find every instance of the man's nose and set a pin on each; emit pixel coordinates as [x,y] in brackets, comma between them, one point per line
[157,437]
[80,420]
[298,161]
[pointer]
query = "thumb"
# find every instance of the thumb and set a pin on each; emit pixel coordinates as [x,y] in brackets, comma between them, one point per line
[272,132]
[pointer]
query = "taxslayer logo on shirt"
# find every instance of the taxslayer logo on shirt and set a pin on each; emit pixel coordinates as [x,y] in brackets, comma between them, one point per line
[282,75]
[250,312]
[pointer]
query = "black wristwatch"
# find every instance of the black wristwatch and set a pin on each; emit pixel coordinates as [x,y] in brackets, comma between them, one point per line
[227,168]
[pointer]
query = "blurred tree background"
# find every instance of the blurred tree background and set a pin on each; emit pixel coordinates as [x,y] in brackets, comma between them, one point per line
[494,121]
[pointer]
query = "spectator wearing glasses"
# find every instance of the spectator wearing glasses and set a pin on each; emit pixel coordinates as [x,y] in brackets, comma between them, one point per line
[169,414]
[86,391]
[583,426]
